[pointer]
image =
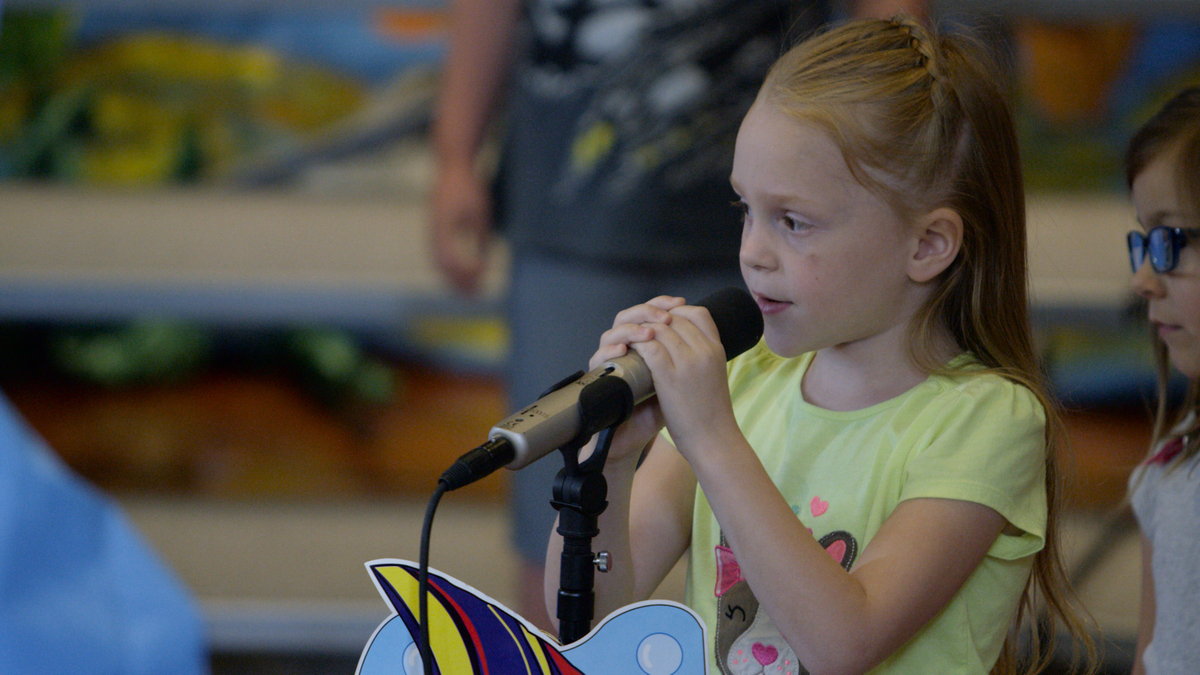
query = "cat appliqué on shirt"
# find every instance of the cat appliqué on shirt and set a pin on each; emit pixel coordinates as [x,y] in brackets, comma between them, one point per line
[747,642]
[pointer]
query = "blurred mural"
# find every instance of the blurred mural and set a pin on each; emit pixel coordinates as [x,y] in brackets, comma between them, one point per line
[122,98]
[105,99]
[1084,88]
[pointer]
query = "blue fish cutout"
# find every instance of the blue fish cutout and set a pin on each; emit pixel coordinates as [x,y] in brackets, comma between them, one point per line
[471,634]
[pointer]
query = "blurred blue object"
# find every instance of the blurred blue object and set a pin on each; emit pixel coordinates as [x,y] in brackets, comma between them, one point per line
[1167,52]
[80,591]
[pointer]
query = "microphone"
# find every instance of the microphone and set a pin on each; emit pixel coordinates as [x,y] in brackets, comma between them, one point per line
[585,403]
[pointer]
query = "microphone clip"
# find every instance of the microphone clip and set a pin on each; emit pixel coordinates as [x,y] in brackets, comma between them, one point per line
[603,404]
[580,496]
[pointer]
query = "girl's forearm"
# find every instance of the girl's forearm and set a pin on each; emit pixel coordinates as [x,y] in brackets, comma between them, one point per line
[782,561]
[839,621]
[646,527]
[613,589]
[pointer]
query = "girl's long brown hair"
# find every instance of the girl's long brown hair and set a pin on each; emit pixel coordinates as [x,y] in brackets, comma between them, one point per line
[921,121]
[1174,128]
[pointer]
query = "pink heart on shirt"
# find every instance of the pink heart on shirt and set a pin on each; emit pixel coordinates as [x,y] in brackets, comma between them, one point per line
[837,550]
[817,506]
[764,654]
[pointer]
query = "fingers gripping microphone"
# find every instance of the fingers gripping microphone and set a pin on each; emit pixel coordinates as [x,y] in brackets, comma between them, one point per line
[573,408]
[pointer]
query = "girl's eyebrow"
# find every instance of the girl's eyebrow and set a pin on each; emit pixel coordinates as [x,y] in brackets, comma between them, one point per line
[1158,217]
[783,195]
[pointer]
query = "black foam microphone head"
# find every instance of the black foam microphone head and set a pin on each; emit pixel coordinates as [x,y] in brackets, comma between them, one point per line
[738,319]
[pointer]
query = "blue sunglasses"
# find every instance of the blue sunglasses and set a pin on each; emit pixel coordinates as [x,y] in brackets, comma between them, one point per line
[1162,243]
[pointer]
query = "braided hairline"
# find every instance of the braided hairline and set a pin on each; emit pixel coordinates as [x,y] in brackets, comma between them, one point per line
[942,93]
[918,40]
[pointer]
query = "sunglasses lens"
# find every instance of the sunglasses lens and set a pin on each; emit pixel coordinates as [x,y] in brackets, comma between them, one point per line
[1136,241]
[1162,249]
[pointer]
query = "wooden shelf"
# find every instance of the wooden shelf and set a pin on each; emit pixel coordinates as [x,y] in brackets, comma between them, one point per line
[229,255]
[222,256]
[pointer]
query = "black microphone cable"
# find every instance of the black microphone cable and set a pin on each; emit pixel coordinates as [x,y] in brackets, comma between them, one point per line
[470,467]
[423,577]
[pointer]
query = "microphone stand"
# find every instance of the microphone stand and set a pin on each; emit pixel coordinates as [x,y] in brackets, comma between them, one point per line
[580,493]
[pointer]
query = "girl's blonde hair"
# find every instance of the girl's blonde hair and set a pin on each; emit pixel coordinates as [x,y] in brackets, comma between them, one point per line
[921,121]
[1175,127]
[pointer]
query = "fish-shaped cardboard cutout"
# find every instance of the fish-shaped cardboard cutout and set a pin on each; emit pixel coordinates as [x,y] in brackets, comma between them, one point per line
[472,634]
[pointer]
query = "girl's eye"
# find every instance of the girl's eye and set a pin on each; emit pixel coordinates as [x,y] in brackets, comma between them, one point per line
[793,224]
[743,210]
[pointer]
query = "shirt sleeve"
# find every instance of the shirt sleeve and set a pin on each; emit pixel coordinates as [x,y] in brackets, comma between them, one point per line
[985,443]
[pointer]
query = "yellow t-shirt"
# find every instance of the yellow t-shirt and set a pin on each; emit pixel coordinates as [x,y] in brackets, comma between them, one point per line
[975,437]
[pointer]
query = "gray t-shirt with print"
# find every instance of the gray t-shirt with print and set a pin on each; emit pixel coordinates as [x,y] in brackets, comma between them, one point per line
[1166,501]
[622,120]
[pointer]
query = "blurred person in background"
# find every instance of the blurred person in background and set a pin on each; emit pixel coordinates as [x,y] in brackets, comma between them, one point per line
[616,123]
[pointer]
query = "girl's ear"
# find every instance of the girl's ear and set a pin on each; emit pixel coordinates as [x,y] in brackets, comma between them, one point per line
[938,236]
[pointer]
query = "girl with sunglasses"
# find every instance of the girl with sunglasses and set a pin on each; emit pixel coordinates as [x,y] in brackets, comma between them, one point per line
[872,486]
[1162,168]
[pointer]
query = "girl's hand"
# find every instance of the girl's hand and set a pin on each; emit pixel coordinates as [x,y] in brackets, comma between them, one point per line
[687,361]
[633,326]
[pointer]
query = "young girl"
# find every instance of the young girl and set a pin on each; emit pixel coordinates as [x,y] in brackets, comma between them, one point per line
[873,485]
[1162,167]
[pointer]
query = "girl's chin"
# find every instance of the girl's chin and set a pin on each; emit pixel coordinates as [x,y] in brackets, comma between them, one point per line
[782,347]
[1191,371]
[1186,362]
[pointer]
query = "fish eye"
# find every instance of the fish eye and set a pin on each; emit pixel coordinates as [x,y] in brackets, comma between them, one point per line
[659,654]
[412,661]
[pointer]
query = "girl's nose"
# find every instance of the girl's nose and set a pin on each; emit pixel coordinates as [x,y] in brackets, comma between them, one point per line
[1146,282]
[756,251]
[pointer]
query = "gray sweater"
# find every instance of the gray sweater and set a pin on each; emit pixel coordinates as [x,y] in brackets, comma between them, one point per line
[1166,501]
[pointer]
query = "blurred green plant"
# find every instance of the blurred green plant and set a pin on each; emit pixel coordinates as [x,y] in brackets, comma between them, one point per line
[33,45]
[137,352]
[330,363]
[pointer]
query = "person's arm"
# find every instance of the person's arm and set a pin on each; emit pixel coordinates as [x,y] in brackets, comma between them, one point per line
[646,528]
[647,524]
[885,9]
[839,622]
[1146,614]
[836,621]
[481,42]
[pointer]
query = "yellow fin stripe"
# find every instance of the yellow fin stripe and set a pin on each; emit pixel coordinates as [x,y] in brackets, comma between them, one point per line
[515,640]
[536,644]
[445,641]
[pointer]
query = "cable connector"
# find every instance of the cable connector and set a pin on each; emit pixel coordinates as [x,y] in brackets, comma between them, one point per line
[478,463]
